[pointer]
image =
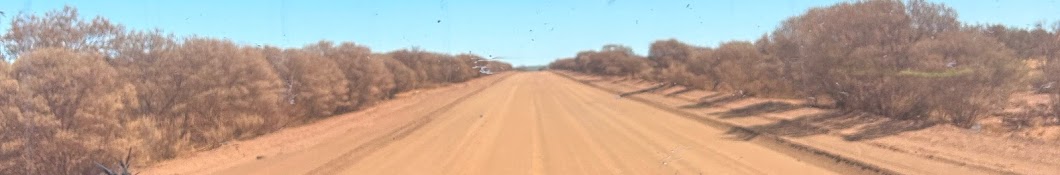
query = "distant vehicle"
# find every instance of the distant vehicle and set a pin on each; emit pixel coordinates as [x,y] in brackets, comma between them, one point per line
[482,68]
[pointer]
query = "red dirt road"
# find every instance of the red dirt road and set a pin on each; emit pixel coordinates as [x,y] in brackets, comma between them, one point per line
[526,123]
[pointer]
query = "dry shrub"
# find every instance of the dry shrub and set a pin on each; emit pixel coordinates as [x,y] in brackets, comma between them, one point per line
[417,61]
[965,75]
[11,99]
[891,60]
[314,87]
[231,92]
[1051,75]
[613,60]
[495,66]
[84,92]
[70,110]
[61,28]
[460,68]
[908,60]
[369,80]
[684,64]
[432,69]
[405,79]
[563,64]
[152,63]
[425,64]
[743,68]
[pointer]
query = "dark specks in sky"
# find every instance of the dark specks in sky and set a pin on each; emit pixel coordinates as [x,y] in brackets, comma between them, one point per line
[439,21]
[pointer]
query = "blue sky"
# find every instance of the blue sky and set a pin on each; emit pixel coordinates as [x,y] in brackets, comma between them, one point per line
[524,32]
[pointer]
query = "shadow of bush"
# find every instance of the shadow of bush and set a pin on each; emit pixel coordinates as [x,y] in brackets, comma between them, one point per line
[756,109]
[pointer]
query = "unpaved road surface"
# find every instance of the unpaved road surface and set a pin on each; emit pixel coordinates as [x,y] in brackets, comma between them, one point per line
[532,123]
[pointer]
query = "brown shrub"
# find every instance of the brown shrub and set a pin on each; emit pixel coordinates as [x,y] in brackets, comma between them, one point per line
[885,57]
[684,64]
[221,92]
[965,75]
[497,66]
[314,87]
[414,60]
[430,67]
[62,28]
[743,68]
[563,64]
[151,62]
[909,60]
[405,79]
[1051,71]
[369,80]
[461,67]
[612,60]
[82,92]
[1037,42]
[71,112]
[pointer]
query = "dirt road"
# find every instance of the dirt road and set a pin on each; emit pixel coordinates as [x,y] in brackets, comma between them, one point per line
[536,123]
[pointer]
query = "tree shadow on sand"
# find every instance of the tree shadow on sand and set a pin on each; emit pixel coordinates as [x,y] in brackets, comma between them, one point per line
[713,100]
[740,134]
[757,109]
[649,89]
[871,127]
[682,91]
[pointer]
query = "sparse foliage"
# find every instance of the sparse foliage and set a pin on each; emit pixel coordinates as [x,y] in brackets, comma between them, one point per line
[314,87]
[71,103]
[79,92]
[908,60]
[63,29]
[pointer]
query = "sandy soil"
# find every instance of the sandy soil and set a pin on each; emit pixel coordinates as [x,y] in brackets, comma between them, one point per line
[290,143]
[902,146]
[527,123]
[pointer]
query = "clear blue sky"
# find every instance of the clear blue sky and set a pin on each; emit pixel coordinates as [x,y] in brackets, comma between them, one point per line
[525,32]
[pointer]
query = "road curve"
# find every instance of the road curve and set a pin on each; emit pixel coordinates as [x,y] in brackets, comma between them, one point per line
[540,123]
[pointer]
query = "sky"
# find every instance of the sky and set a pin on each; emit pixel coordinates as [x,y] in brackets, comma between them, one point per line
[522,32]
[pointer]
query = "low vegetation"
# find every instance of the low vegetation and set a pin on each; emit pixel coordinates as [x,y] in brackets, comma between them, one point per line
[902,59]
[75,93]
